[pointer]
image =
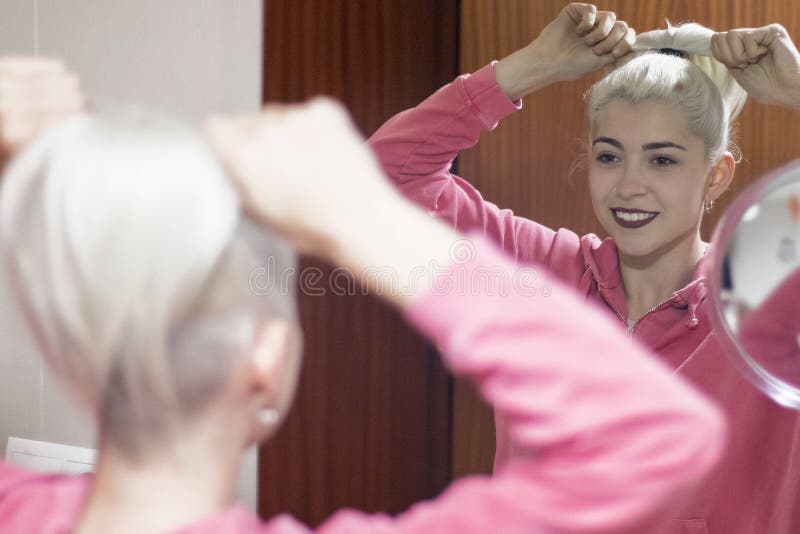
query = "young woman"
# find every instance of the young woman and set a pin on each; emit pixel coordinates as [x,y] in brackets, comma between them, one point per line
[658,159]
[130,256]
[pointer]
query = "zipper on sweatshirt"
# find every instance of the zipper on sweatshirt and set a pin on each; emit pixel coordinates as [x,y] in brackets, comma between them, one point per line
[632,326]
[619,315]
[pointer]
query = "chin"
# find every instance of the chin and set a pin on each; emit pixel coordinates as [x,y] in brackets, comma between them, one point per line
[635,248]
[651,245]
[634,244]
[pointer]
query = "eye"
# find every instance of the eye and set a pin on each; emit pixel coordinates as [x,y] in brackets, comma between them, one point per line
[607,158]
[663,161]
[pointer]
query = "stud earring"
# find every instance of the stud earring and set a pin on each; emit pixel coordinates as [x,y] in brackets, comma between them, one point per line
[268,416]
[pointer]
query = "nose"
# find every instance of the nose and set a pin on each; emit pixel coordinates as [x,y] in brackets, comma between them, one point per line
[630,184]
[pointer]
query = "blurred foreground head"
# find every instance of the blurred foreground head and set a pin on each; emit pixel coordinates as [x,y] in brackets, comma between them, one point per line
[127,250]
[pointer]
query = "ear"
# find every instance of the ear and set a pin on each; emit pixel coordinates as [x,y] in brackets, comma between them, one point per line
[276,359]
[720,177]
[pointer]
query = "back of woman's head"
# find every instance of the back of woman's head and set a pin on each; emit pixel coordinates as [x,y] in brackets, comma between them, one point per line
[676,66]
[125,246]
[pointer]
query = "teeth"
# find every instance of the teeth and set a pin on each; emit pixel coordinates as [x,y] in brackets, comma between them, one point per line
[633,217]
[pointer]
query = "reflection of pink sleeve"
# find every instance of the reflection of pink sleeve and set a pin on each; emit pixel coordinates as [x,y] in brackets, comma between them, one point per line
[771,332]
[611,440]
[417,147]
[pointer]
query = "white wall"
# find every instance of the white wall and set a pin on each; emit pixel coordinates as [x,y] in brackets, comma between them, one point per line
[190,57]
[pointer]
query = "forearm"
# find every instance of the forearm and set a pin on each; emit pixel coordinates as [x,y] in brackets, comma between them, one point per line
[393,248]
[524,72]
[416,149]
[418,145]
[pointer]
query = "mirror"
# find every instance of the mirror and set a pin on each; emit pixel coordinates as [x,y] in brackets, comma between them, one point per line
[755,283]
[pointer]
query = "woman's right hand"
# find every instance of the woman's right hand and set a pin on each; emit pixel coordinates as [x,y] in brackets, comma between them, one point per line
[580,40]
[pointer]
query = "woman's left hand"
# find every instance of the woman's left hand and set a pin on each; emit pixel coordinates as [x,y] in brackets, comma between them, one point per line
[764,61]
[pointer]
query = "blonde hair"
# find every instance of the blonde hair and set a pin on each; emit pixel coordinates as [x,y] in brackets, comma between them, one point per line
[697,83]
[128,253]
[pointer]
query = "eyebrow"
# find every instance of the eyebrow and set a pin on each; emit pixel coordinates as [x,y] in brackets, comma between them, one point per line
[662,144]
[649,146]
[610,141]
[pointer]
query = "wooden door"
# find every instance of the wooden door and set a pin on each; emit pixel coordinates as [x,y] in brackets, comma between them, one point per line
[370,427]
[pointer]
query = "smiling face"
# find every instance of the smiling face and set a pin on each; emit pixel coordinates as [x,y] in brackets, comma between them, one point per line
[648,176]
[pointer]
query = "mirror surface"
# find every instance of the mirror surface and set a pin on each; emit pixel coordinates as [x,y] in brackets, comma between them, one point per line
[756,283]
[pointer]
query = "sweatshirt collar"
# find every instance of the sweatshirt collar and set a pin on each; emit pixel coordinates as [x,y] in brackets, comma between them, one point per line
[603,262]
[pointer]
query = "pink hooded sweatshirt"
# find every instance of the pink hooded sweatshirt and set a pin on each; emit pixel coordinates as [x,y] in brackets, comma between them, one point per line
[611,441]
[755,490]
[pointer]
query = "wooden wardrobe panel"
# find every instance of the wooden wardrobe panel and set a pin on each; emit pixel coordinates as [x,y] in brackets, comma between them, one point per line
[528,163]
[370,427]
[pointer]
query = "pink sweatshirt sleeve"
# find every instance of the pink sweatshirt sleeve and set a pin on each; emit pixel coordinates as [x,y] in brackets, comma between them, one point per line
[417,147]
[10,476]
[609,441]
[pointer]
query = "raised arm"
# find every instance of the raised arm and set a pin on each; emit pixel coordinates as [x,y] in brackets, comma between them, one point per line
[609,442]
[417,147]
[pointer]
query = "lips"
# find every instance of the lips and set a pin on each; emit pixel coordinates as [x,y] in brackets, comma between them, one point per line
[630,218]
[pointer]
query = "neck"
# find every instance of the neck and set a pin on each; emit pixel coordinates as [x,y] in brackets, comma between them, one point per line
[180,483]
[652,279]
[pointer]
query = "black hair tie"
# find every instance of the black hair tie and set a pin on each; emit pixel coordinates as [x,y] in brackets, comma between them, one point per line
[671,52]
